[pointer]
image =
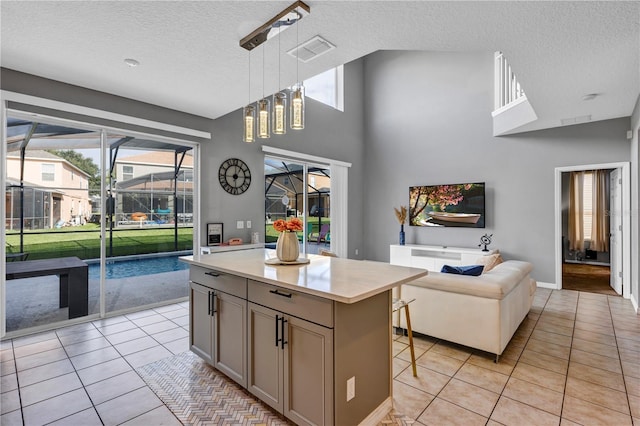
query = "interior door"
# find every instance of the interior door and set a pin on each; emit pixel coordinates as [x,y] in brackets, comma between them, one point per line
[615,222]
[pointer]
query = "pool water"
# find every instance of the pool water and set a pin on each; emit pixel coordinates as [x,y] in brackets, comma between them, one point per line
[138,267]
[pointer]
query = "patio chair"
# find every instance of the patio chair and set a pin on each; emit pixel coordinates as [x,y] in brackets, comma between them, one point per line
[309,230]
[322,236]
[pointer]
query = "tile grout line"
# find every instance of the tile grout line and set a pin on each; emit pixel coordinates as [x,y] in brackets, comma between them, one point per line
[566,378]
[84,388]
[75,370]
[624,380]
[517,360]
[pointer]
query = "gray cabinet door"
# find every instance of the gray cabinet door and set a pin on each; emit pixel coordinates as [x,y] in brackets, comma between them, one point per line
[201,327]
[308,373]
[265,359]
[295,378]
[230,336]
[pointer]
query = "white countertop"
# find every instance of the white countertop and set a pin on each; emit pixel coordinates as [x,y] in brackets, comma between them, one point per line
[341,280]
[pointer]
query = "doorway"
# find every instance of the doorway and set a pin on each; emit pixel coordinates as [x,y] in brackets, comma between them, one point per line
[295,188]
[593,247]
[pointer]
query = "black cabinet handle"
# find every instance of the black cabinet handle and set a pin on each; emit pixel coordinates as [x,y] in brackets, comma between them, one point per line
[277,292]
[277,340]
[282,341]
[212,274]
[209,303]
[213,303]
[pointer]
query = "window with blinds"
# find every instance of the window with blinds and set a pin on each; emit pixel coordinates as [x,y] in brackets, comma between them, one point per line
[48,172]
[587,204]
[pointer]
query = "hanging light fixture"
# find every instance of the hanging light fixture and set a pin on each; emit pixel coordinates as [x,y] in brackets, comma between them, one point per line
[279,124]
[265,118]
[264,110]
[297,94]
[249,115]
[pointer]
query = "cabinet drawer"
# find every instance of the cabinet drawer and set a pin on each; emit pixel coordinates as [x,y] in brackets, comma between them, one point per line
[305,306]
[227,283]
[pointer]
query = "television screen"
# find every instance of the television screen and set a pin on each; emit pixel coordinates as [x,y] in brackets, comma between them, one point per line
[460,205]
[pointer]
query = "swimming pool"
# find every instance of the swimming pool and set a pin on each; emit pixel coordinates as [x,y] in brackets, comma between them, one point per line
[137,267]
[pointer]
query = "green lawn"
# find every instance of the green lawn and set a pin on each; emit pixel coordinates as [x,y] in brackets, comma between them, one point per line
[271,235]
[84,242]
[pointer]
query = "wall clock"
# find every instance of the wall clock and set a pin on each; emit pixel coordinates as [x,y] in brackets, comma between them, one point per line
[234,176]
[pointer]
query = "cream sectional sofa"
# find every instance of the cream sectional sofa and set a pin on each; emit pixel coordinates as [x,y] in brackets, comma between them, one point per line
[481,312]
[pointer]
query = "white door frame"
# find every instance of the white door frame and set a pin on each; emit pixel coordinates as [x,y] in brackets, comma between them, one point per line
[615,231]
[626,219]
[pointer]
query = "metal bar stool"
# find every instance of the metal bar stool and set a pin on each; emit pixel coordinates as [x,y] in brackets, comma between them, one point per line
[398,304]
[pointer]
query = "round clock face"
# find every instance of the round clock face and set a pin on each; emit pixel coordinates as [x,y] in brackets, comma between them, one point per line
[234,176]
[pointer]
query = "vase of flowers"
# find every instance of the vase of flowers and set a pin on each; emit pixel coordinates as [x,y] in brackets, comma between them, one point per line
[401,215]
[287,248]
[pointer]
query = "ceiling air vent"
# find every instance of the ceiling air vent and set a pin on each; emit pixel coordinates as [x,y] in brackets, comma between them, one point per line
[311,49]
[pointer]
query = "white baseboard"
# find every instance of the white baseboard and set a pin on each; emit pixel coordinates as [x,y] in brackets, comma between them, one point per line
[634,302]
[377,415]
[552,286]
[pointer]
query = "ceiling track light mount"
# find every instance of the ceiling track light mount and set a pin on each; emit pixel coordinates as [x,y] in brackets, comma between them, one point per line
[278,23]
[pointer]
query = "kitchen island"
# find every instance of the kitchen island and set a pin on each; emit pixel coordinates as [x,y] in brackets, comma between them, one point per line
[313,341]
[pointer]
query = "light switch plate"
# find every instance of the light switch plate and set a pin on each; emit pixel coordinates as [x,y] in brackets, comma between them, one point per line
[248,224]
[240,224]
[351,388]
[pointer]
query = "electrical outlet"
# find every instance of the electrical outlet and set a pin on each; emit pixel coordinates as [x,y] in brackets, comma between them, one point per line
[240,224]
[356,252]
[248,224]
[351,388]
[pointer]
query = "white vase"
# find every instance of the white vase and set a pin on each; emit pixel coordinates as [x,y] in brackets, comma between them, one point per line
[287,248]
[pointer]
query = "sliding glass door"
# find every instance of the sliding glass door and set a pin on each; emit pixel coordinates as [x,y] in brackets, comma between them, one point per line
[303,190]
[95,221]
[52,180]
[149,222]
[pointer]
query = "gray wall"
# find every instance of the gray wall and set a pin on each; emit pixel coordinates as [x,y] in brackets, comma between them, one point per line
[429,122]
[328,133]
[15,81]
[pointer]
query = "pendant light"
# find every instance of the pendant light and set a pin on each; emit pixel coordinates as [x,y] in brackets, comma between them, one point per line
[258,118]
[249,115]
[297,92]
[279,125]
[264,110]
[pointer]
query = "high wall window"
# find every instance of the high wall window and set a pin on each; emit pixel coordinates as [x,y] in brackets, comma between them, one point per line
[327,87]
[48,172]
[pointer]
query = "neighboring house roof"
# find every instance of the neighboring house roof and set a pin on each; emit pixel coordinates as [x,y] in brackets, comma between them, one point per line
[161,158]
[36,154]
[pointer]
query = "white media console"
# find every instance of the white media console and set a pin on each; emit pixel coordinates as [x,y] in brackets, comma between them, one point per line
[433,258]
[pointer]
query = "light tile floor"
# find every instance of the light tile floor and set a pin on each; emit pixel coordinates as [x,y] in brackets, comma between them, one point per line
[574,360]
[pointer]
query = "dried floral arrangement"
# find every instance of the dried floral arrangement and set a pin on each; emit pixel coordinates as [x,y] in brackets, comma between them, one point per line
[401,214]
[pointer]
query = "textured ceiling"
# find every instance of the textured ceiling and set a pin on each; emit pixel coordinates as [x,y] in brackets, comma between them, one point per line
[190,59]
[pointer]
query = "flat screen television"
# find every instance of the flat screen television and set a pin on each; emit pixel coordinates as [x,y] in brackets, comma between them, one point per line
[451,205]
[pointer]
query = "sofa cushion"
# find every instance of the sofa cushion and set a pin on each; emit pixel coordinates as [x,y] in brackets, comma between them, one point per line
[495,284]
[472,270]
[489,261]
